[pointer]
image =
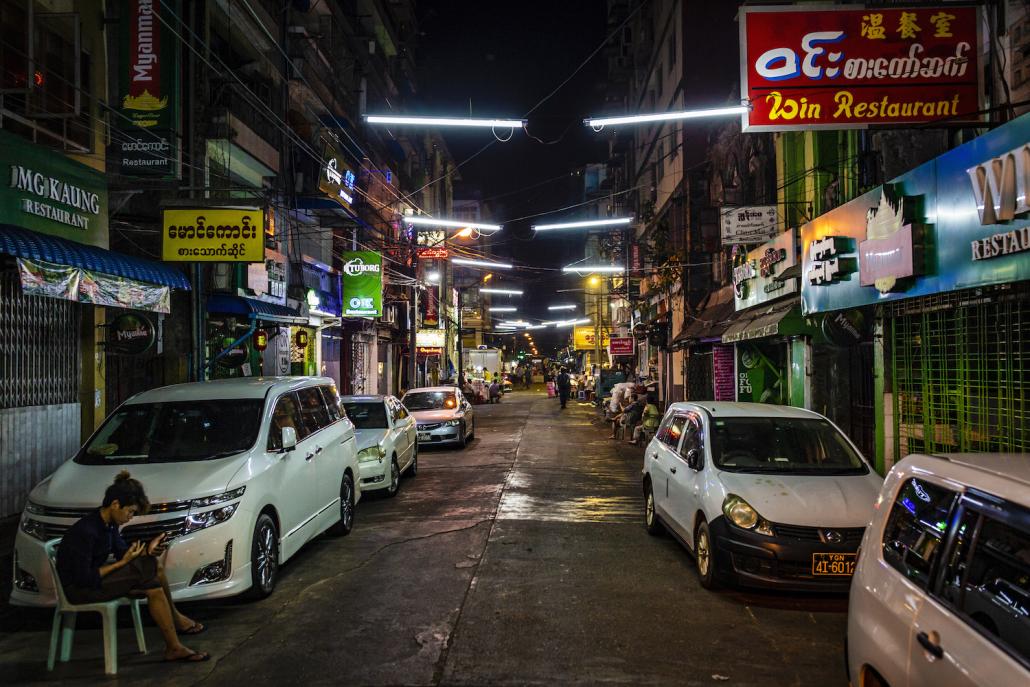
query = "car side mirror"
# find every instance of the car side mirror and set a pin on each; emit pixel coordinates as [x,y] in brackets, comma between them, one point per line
[289,439]
[694,460]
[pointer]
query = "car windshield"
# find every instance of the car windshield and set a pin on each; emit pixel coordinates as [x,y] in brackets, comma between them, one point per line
[429,400]
[782,445]
[174,432]
[368,415]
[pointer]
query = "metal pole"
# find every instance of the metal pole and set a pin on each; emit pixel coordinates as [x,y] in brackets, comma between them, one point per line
[461,344]
[413,337]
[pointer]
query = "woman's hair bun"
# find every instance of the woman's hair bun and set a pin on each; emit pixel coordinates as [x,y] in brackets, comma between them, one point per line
[123,476]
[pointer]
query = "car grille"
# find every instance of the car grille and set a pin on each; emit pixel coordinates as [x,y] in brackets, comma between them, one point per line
[145,532]
[77,513]
[850,536]
[426,428]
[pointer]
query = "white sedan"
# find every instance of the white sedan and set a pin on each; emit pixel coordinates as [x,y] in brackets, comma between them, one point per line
[764,495]
[387,440]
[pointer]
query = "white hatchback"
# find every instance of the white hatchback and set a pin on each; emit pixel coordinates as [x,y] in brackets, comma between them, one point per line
[387,440]
[240,473]
[941,595]
[768,496]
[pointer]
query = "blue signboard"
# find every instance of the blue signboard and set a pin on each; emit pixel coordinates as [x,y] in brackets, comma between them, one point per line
[959,221]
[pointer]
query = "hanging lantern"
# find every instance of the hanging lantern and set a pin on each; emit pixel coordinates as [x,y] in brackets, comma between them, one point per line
[260,339]
[301,338]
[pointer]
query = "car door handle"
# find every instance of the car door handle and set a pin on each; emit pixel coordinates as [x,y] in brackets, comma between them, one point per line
[930,645]
[309,456]
[672,469]
[318,449]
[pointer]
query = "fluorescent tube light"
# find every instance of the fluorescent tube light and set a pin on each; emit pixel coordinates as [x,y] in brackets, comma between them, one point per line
[606,269]
[510,292]
[584,224]
[561,307]
[447,121]
[452,223]
[598,122]
[482,263]
[504,309]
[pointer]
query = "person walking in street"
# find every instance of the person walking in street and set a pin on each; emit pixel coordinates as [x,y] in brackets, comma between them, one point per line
[529,377]
[88,577]
[564,387]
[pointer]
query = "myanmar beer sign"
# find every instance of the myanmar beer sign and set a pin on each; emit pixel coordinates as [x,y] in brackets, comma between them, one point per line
[148,113]
[848,66]
[362,283]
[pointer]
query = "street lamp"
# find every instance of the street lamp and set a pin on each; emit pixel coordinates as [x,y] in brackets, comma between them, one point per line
[596,123]
[482,123]
[451,224]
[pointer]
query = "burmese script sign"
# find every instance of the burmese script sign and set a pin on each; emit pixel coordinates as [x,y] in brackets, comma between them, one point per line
[850,67]
[213,235]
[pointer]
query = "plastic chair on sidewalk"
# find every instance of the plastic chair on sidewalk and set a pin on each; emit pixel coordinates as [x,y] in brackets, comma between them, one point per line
[63,631]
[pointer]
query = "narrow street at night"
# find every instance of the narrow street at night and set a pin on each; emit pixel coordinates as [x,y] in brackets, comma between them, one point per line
[520,560]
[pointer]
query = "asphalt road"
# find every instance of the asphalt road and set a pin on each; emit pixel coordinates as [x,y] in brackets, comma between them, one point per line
[521,560]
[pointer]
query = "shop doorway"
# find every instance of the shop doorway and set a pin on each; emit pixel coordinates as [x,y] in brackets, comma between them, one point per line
[842,390]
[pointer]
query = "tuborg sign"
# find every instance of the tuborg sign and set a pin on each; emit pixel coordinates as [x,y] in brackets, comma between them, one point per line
[362,284]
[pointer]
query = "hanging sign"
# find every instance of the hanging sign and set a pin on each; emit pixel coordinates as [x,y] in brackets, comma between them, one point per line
[130,334]
[337,179]
[753,224]
[834,67]
[756,274]
[584,339]
[433,338]
[213,235]
[362,283]
[148,114]
[844,328]
[432,253]
[621,346]
[237,356]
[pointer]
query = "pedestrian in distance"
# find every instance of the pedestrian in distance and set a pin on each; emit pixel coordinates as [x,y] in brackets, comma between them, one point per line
[495,391]
[564,387]
[88,576]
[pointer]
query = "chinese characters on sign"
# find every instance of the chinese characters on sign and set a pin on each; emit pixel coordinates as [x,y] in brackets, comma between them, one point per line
[832,67]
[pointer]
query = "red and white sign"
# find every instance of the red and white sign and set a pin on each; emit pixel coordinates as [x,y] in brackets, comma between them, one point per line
[620,346]
[432,253]
[841,67]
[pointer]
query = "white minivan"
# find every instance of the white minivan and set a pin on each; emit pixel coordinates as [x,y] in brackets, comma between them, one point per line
[941,594]
[240,474]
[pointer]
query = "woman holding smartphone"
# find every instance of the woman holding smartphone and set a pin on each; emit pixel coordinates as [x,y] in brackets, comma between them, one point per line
[88,577]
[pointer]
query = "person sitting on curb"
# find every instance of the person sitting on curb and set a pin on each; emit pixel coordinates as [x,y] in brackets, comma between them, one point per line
[651,418]
[495,391]
[88,577]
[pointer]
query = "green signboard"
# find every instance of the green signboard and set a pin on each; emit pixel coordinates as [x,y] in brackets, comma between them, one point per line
[362,284]
[147,115]
[47,192]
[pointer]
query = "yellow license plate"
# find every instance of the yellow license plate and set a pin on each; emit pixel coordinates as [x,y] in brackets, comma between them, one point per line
[842,564]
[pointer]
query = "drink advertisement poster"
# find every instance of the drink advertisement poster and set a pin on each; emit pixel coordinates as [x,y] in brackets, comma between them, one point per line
[362,283]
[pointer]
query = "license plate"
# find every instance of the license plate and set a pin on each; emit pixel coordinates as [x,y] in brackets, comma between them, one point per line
[842,564]
[423,436]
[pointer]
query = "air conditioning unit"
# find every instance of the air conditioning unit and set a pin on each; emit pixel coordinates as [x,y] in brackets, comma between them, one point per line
[389,315]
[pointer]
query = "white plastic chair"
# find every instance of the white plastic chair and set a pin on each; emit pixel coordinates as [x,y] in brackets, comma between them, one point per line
[63,630]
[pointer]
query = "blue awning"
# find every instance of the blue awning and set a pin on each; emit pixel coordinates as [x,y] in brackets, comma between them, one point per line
[260,310]
[24,243]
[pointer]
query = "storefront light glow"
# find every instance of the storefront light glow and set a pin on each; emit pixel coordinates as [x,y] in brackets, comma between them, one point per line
[482,263]
[484,123]
[433,277]
[598,122]
[452,224]
[586,224]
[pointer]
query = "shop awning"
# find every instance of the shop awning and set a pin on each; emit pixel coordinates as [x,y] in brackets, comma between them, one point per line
[250,307]
[778,319]
[711,321]
[24,243]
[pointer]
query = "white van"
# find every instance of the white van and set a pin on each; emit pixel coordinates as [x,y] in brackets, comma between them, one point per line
[941,593]
[240,474]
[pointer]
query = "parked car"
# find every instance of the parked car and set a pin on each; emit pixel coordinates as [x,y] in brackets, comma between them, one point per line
[241,473]
[443,415]
[387,442]
[941,594]
[763,495]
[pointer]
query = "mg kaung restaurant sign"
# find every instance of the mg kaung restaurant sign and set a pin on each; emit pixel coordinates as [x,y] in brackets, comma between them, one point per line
[835,67]
[957,222]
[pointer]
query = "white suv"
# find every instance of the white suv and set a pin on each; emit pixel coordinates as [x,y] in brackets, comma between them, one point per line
[941,593]
[240,474]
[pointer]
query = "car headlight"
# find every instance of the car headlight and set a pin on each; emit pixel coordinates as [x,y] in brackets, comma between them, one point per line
[740,513]
[372,453]
[209,518]
[34,528]
[453,423]
[218,498]
[31,507]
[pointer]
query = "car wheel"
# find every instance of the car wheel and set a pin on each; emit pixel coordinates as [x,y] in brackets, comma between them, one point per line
[413,470]
[651,521]
[462,439]
[264,557]
[395,478]
[346,523]
[704,556]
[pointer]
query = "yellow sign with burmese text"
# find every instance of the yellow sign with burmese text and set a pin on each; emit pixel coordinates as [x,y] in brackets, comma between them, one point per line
[213,235]
[583,339]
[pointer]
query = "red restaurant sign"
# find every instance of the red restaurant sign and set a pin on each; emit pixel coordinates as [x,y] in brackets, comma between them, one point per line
[432,252]
[835,68]
[620,346]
